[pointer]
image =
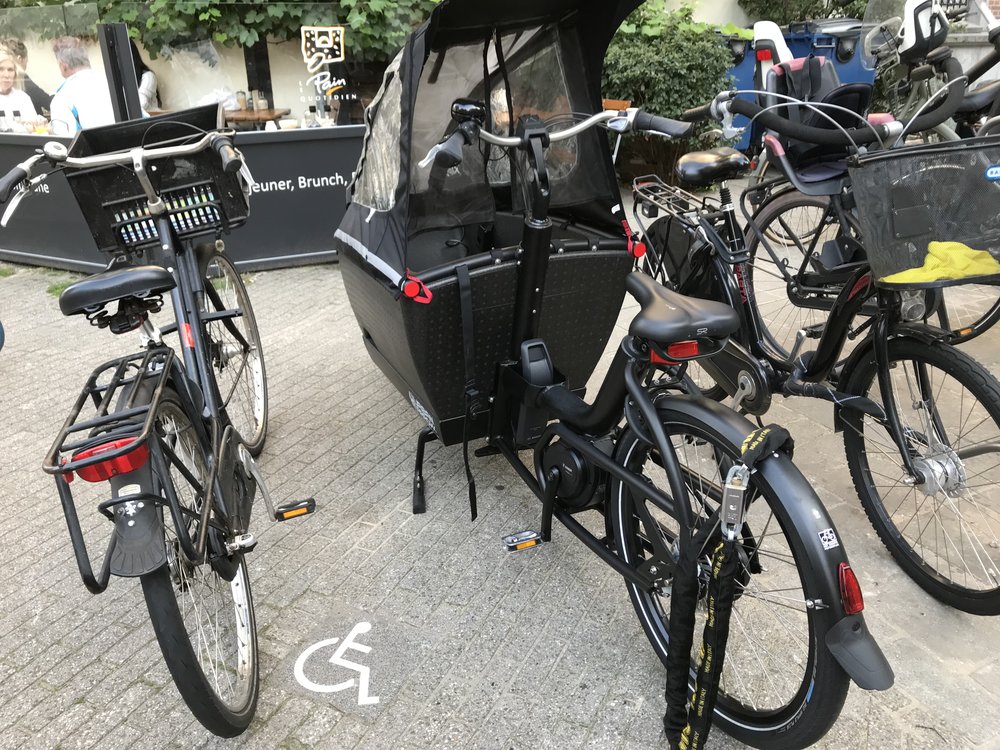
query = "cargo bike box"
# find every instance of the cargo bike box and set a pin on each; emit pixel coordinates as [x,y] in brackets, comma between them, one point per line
[411,231]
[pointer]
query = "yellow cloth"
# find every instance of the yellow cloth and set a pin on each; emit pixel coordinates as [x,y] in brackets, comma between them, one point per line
[947,260]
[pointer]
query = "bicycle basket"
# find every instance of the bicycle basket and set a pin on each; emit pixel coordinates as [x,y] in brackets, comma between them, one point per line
[946,194]
[200,197]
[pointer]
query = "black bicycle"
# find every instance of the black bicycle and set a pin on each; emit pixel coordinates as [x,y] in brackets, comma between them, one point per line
[159,431]
[920,419]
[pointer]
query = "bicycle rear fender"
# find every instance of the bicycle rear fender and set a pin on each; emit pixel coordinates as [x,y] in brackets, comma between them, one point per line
[799,507]
[139,541]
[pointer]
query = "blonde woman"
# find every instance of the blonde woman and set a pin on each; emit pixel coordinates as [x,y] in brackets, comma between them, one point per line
[12,98]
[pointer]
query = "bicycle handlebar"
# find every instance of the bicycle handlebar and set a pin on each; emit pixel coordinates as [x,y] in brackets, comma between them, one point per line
[57,155]
[726,102]
[449,151]
[10,181]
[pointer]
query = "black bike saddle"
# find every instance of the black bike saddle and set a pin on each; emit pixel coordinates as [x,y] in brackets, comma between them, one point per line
[114,284]
[705,168]
[667,317]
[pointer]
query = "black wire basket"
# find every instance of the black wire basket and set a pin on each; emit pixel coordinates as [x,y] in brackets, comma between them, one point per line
[201,198]
[948,194]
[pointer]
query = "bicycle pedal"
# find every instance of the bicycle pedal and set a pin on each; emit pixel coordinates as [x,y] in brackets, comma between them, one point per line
[241,543]
[522,540]
[294,509]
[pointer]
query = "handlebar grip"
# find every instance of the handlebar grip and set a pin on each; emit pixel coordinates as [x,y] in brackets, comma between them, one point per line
[655,123]
[10,181]
[449,153]
[697,114]
[232,162]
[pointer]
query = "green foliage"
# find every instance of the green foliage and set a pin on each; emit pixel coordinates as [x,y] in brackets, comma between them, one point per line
[375,28]
[682,65]
[663,63]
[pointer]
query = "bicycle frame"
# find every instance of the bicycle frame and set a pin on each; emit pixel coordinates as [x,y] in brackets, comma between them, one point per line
[853,296]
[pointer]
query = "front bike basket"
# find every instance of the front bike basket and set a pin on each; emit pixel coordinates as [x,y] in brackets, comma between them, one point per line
[201,198]
[928,213]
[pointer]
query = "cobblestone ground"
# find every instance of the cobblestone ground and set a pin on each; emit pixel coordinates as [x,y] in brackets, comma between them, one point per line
[472,647]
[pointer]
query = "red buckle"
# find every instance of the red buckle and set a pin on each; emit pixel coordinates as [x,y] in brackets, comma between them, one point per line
[414,289]
[635,248]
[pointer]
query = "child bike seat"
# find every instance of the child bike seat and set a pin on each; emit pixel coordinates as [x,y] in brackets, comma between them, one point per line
[705,168]
[667,317]
[114,284]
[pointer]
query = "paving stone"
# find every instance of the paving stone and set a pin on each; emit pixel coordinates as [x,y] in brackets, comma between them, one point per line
[482,649]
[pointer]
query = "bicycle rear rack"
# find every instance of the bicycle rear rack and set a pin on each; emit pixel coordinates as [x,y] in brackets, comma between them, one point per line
[653,195]
[113,390]
[140,372]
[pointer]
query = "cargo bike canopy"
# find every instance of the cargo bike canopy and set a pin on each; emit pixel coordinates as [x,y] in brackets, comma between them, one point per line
[520,58]
[414,237]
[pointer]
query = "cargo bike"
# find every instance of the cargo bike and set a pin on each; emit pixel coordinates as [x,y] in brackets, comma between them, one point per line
[486,260]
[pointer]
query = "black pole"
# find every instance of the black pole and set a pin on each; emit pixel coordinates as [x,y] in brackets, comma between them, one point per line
[120,70]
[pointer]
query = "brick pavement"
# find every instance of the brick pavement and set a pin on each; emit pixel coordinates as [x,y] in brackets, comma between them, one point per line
[472,647]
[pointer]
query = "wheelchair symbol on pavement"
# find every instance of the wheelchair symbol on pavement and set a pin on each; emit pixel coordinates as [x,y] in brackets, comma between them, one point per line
[364,673]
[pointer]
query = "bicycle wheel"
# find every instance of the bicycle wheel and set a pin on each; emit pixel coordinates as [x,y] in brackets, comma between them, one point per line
[235,352]
[806,226]
[967,311]
[944,533]
[780,686]
[202,614]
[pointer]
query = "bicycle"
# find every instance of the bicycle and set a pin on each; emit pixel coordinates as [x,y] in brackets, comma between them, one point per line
[485,331]
[156,428]
[977,309]
[921,475]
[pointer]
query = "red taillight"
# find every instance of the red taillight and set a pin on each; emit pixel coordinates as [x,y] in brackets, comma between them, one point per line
[638,249]
[850,590]
[123,464]
[763,54]
[683,349]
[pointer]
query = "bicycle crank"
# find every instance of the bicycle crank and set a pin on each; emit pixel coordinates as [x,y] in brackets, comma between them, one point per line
[285,511]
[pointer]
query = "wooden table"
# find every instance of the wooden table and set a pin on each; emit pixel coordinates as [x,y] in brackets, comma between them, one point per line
[257,117]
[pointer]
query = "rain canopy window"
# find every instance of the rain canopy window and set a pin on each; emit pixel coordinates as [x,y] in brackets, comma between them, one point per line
[409,227]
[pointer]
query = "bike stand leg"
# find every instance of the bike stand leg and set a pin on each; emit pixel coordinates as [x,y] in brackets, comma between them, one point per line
[549,502]
[419,502]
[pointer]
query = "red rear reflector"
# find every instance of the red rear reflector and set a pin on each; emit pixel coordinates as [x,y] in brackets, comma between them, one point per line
[103,470]
[683,349]
[411,289]
[763,54]
[638,249]
[656,359]
[186,336]
[850,590]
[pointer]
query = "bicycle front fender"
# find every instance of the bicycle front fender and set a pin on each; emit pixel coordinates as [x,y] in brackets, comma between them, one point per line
[138,546]
[800,510]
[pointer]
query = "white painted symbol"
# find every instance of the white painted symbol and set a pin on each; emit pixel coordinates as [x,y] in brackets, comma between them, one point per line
[828,538]
[364,673]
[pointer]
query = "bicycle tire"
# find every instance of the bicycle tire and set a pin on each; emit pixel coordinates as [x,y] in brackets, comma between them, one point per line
[222,694]
[816,685]
[800,217]
[238,368]
[968,311]
[968,524]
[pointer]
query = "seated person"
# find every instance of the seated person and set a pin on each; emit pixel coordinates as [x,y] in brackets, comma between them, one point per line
[39,97]
[84,99]
[12,98]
